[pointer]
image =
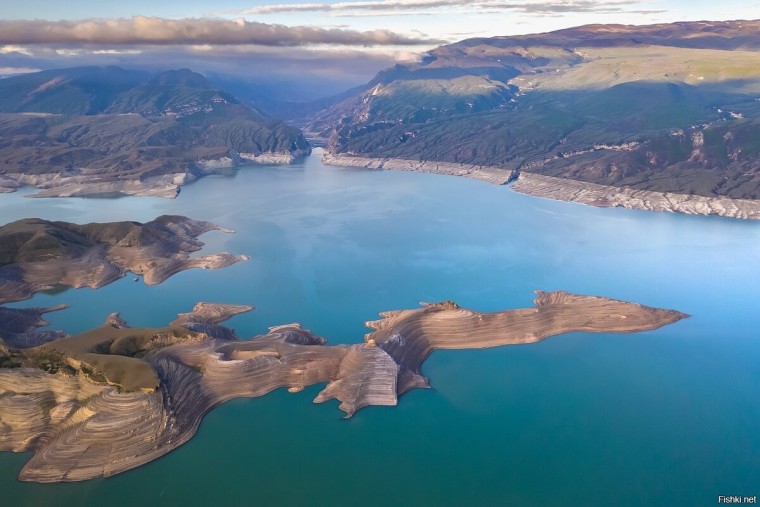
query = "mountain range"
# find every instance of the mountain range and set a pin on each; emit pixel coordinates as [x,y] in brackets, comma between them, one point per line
[100,130]
[667,108]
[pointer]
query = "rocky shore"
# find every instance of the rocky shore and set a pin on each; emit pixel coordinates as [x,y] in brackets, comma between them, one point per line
[88,185]
[563,189]
[607,196]
[494,175]
[85,183]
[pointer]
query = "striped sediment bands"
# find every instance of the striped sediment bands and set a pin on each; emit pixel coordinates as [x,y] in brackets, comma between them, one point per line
[79,429]
[18,326]
[564,189]
[48,253]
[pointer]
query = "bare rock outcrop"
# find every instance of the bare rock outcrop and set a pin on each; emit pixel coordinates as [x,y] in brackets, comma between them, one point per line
[563,189]
[38,254]
[18,326]
[121,397]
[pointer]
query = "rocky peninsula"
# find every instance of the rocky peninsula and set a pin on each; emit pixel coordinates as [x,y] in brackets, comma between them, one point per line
[38,254]
[18,327]
[114,398]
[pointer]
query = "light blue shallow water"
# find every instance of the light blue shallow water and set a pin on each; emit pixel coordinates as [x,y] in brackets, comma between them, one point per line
[668,417]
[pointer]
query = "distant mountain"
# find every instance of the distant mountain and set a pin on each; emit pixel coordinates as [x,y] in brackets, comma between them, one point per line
[95,130]
[75,91]
[669,107]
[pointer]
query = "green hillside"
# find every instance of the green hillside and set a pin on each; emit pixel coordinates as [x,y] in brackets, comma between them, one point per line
[106,124]
[662,107]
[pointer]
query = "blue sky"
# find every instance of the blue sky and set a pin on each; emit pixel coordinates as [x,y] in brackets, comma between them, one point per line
[338,44]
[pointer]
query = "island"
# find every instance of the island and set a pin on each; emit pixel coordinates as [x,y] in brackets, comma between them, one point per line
[114,398]
[37,255]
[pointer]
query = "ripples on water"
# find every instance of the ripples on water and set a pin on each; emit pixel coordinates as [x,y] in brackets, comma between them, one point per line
[667,417]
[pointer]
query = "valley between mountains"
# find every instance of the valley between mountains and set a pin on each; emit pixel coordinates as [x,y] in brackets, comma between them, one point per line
[671,110]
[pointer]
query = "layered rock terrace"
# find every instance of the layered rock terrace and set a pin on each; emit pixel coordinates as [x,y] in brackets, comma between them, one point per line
[114,398]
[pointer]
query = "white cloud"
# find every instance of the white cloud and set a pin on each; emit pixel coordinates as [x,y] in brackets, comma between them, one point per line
[4,50]
[416,7]
[7,71]
[160,31]
[117,51]
[382,5]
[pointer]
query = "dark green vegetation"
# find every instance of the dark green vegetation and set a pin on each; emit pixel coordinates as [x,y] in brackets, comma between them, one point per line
[109,355]
[112,355]
[92,125]
[671,107]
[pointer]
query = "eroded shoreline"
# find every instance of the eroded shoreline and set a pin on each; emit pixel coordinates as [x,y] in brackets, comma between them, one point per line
[93,183]
[605,196]
[494,175]
[114,398]
[562,189]
[40,254]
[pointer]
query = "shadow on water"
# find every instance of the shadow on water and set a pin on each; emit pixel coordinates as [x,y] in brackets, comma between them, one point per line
[56,289]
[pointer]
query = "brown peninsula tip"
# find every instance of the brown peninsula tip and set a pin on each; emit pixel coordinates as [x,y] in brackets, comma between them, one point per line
[115,398]
[38,254]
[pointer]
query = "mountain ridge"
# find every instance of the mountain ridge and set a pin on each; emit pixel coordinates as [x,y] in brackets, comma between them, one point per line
[663,108]
[103,130]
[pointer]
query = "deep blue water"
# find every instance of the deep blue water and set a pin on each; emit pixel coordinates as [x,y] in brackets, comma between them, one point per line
[668,417]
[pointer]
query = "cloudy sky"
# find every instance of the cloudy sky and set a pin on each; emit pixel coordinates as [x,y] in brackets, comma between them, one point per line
[334,45]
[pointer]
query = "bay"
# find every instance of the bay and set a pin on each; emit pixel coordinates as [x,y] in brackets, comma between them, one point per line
[667,417]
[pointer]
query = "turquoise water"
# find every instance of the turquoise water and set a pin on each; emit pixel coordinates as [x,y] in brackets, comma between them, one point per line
[668,417]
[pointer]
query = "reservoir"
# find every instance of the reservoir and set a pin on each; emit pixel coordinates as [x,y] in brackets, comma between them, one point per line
[667,417]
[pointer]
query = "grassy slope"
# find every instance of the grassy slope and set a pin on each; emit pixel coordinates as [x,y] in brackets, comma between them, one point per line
[112,355]
[677,90]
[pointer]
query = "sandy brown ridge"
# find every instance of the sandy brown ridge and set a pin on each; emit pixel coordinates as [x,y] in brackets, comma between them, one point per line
[122,397]
[39,254]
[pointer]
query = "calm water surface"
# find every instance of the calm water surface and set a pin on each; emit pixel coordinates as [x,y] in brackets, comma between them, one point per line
[668,417]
